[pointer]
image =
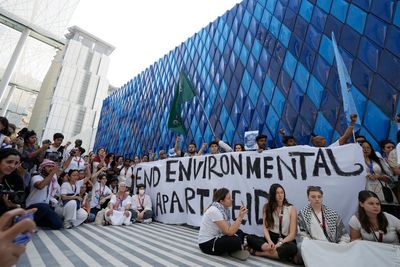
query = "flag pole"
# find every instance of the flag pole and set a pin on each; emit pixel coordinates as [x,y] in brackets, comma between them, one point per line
[205,114]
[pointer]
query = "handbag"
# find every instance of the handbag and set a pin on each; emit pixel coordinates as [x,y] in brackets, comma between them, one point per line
[387,193]
[100,220]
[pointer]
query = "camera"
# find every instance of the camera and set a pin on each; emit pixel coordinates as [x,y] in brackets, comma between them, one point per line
[11,193]
[72,152]
[46,142]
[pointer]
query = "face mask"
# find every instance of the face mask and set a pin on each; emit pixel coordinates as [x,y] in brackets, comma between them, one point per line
[141,192]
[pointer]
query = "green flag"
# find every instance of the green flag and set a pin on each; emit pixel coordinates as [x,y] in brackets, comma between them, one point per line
[183,92]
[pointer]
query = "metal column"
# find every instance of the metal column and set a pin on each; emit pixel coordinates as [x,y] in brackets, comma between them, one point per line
[7,101]
[13,62]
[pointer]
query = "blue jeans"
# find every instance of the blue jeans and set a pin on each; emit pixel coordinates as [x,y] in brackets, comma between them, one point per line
[45,216]
[93,214]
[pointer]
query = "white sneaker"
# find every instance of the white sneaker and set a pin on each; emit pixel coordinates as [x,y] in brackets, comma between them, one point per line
[147,221]
[128,223]
[67,225]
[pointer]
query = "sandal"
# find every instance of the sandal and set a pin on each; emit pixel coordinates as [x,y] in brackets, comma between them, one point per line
[252,251]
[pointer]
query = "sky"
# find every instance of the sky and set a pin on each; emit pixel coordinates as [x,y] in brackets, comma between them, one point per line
[144,30]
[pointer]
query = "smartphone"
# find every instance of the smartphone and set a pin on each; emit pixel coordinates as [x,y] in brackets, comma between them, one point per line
[244,220]
[24,238]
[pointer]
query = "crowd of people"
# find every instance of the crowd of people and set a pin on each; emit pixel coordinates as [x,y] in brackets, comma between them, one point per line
[65,187]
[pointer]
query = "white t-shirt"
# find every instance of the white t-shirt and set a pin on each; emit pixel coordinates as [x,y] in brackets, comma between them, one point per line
[67,188]
[138,202]
[121,206]
[39,195]
[125,176]
[208,228]
[77,163]
[98,192]
[316,229]
[389,237]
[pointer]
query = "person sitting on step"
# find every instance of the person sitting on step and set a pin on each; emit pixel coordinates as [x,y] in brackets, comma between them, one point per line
[217,235]
[141,205]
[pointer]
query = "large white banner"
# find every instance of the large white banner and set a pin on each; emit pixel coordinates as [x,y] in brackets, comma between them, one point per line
[182,188]
[317,253]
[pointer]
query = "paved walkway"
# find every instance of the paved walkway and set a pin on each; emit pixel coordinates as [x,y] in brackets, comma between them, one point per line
[155,244]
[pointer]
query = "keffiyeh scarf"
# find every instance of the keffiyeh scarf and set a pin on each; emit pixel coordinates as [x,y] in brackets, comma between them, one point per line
[225,212]
[335,228]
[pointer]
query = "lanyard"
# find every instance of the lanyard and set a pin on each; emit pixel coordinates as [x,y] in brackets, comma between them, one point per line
[120,201]
[280,222]
[141,201]
[378,239]
[101,192]
[79,161]
[9,187]
[73,188]
[371,168]
[50,186]
[323,224]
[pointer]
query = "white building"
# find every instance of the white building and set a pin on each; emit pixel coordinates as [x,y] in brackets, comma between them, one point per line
[30,34]
[73,90]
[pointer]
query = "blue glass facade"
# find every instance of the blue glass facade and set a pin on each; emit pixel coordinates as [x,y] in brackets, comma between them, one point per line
[266,65]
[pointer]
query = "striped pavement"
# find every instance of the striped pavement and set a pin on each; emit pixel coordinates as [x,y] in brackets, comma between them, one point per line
[152,244]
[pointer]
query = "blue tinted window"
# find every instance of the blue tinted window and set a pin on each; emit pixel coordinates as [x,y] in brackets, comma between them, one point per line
[325,5]
[271,5]
[326,49]
[268,88]
[290,64]
[374,116]
[376,29]
[284,36]
[339,9]
[275,27]
[356,18]
[396,19]
[369,53]
[272,120]
[302,76]
[306,9]
[315,91]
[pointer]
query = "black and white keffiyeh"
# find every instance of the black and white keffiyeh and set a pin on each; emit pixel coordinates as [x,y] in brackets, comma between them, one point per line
[335,227]
[225,212]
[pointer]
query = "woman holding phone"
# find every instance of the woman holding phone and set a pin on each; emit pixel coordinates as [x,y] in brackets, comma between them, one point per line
[217,235]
